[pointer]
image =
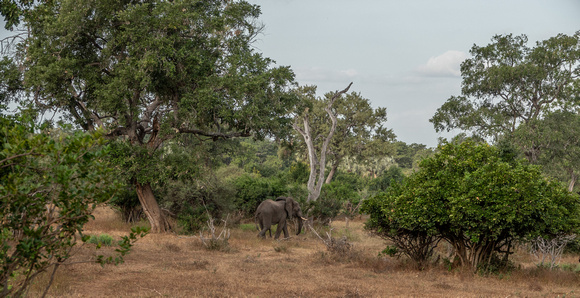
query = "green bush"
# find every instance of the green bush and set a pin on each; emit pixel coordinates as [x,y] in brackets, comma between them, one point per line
[381,183]
[192,218]
[192,201]
[478,199]
[335,196]
[51,179]
[127,202]
[103,239]
[252,189]
[298,172]
[324,209]
[340,192]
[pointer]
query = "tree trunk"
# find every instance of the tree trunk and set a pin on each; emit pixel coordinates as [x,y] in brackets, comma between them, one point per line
[159,223]
[573,179]
[332,172]
[317,166]
[151,209]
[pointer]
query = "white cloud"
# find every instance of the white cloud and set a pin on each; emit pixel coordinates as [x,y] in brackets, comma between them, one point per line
[444,65]
[349,73]
[322,74]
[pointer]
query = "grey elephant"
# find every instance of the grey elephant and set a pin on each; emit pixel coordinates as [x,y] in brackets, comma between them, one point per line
[277,212]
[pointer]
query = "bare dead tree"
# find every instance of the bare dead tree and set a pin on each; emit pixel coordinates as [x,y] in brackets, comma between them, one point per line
[215,242]
[550,251]
[339,246]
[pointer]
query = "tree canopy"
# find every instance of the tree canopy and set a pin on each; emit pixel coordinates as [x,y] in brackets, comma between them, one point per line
[147,71]
[507,83]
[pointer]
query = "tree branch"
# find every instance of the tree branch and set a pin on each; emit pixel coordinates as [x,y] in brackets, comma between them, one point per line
[214,135]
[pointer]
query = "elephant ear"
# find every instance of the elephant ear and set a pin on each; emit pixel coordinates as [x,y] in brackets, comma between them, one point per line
[288,207]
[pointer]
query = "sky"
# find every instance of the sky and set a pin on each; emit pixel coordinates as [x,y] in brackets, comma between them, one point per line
[402,55]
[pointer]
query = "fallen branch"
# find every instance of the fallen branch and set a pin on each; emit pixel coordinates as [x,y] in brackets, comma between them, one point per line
[340,246]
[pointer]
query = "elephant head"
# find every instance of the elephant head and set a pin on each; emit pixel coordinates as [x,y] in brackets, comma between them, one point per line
[293,210]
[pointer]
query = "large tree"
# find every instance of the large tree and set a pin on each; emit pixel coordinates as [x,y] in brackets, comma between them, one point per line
[316,154]
[511,91]
[336,127]
[147,71]
[507,83]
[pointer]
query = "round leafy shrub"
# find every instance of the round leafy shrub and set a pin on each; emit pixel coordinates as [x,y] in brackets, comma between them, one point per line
[102,239]
[476,198]
[192,201]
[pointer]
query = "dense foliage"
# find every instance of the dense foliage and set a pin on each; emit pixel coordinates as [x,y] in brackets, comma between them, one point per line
[149,71]
[477,199]
[512,92]
[50,182]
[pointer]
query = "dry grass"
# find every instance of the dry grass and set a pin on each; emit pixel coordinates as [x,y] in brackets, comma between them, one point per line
[178,266]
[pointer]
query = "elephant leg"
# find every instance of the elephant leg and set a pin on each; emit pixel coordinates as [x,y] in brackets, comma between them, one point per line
[268,229]
[285,229]
[262,233]
[265,226]
[279,230]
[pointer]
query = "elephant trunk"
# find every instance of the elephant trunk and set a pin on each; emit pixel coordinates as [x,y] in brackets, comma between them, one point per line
[300,223]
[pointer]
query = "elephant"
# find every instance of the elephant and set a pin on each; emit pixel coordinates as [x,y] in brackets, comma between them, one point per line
[277,212]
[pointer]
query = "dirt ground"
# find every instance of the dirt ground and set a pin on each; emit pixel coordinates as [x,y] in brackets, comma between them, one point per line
[178,266]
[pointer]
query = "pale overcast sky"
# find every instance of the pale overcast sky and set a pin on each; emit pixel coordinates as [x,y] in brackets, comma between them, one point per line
[402,55]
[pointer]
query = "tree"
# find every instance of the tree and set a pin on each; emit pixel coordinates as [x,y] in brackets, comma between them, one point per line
[507,83]
[408,156]
[10,82]
[317,158]
[391,176]
[476,198]
[50,182]
[554,142]
[13,10]
[148,71]
[360,133]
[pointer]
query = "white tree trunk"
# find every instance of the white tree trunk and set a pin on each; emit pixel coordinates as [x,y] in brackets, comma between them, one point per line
[317,165]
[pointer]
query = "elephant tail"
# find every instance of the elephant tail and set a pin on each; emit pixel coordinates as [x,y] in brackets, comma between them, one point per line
[256,221]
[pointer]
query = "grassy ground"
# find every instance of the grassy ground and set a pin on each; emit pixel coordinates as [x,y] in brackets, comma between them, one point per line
[177,266]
